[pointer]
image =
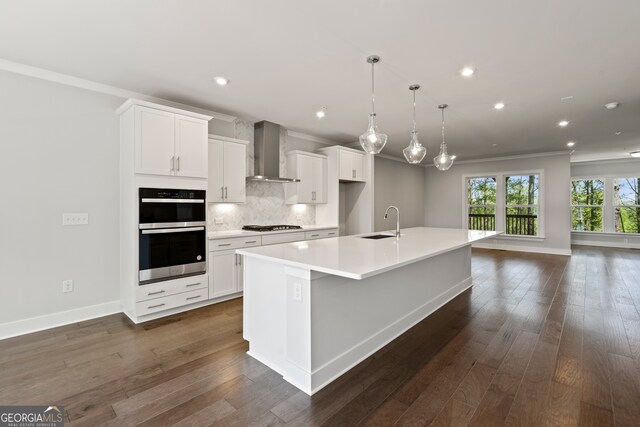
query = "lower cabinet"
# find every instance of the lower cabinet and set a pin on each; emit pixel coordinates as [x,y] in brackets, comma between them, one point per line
[225,273]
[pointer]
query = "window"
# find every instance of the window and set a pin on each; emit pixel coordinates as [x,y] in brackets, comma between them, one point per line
[587,205]
[626,203]
[481,201]
[521,205]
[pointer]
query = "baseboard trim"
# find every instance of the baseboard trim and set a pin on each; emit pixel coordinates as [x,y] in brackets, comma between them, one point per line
[532,249]
[53,320]
[605,244]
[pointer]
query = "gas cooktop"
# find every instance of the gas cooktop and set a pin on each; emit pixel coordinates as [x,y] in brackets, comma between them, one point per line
[270,227]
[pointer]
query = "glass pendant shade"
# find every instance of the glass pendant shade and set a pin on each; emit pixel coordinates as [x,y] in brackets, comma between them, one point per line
[415,152]
[443,161]
[372,141]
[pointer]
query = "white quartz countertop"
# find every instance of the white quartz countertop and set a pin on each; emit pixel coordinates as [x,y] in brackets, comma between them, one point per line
[224,234]
[357,258]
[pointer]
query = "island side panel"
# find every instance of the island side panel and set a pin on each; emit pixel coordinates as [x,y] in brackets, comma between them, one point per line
[351,319]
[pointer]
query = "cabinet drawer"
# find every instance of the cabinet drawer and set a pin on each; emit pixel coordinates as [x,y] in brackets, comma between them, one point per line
[171,287]
[172,301]
[234,243]
[320,234]
[272,239]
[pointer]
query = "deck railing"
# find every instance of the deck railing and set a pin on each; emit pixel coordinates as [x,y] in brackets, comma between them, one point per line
[524,225]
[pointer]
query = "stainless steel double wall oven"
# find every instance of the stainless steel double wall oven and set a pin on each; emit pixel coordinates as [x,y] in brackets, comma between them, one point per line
[172,234]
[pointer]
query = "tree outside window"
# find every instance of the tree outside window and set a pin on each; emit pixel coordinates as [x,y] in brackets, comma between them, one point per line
[481,199]
[521,197]
[626,202]
[587,201]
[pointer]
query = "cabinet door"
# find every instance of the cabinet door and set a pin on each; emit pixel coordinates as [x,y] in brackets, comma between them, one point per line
[304,173]
[223,273]
[215,192]
[357,163]
[191,147]
[346,165]
[154,141]
[235,172]
[240,274]
[319,180]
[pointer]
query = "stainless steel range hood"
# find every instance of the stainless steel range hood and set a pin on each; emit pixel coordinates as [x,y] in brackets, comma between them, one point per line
[267,154]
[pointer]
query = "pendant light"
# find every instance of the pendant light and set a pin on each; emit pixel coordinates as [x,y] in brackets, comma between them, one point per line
[372,141]
[443,160]
[415,152]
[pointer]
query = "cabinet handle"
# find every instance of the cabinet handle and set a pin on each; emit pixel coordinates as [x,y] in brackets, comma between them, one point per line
[155,306]
[178,164]
[222,192]
[226,193]
[315,235]
[235,259]
[156,293]
[172,162]
[354,173]
[192,284]
[224,244]
[195,297]
[252,241]
[331,234]
[239,259]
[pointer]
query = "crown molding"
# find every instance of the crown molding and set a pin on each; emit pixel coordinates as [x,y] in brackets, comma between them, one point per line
[613,160]
[65,79]
[312,138]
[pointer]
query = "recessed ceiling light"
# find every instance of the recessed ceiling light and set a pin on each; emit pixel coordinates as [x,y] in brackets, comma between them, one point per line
[611,105]
[570,144]
[467,72]
[494,145]
[222,81]
[499,105]
[321,113]
[618,133]
[635,154]
[563,123]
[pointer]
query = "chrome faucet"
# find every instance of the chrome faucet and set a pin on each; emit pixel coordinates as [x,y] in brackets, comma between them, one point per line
[386,215]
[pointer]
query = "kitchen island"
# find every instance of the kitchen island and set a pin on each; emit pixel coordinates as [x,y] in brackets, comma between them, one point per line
[315,309]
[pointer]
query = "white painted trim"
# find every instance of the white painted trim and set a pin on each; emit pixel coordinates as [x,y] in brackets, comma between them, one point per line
[533,249]
[132,101]
[312,138]
[65,79]
[608,161]
[514,157]
[48,321]
[228,139]
[609,244]
[306,153]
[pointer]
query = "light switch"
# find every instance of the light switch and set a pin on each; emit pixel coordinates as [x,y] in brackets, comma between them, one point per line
[75,218]
[297,292]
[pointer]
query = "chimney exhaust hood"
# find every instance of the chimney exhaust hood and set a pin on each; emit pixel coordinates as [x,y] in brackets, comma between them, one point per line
[267,154]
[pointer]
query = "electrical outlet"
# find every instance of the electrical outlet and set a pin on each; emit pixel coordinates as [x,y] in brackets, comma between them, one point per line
[67,286]
[297,292]
[219,221]
[75,218]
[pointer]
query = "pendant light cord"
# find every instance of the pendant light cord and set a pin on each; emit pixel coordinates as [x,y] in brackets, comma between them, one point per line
[414,110]
[373,97]
[443,126]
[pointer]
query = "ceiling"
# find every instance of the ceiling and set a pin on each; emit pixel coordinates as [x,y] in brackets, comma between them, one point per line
[287,59]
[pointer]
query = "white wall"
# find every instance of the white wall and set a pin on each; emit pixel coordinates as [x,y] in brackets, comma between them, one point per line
[60,154]
[604,169]
[399,184]
[445,196]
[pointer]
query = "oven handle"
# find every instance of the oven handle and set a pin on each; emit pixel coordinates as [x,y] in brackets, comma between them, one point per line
[171,200]
[172,230]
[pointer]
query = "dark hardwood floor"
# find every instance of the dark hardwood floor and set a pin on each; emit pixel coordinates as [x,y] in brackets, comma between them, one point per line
[539,340]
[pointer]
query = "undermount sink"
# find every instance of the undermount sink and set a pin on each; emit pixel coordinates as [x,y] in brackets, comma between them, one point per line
[377,236]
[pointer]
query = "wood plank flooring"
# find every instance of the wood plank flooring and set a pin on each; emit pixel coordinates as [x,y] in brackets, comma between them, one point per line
[540,340]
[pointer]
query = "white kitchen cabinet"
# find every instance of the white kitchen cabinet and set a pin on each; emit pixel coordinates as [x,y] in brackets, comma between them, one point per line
[166,141]
[223,272]
[311,170]
[351,165]
[227,170]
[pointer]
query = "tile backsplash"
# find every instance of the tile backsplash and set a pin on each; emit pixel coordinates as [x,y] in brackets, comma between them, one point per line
[265,204]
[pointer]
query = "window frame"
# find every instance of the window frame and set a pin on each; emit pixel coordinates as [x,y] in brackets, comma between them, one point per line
[602,206]
[469,206]
[615,206]
[535,206]
[500,208]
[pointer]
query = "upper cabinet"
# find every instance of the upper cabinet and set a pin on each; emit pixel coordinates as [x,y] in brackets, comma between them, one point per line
[227,170]
[350,165]
[167,141]
[311,170]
